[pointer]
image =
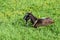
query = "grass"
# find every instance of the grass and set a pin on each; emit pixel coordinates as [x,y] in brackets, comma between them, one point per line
[12,24]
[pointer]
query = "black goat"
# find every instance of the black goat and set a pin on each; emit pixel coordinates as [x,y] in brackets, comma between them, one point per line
[36,21]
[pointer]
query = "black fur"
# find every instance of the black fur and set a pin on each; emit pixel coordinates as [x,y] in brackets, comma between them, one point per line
[40,21]
[31,17]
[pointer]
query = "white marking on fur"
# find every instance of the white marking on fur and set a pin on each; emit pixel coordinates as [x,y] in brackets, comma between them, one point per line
[35,22]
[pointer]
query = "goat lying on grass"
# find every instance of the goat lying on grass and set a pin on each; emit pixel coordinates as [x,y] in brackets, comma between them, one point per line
[43,22]
[37,21]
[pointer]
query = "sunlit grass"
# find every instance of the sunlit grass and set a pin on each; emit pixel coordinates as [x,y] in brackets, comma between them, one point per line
[12,24]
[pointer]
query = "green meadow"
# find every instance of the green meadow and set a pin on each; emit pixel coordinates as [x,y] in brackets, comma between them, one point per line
[12,24]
